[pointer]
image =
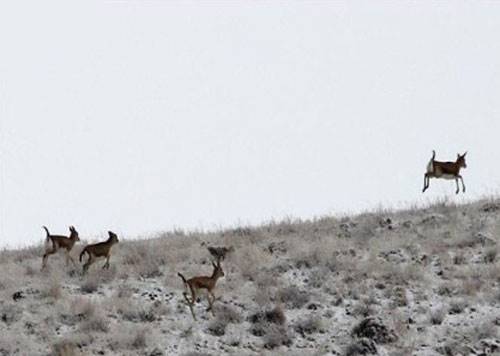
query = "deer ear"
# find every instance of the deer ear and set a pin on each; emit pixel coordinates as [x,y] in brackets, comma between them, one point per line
[464,154]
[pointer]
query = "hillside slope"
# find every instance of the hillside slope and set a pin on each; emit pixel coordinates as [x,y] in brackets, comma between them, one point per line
[413,282]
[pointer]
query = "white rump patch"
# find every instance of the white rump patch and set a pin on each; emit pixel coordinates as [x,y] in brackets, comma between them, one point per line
[430,167]
[447,176]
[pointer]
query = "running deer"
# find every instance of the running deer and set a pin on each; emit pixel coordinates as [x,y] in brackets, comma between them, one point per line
[60,242]
[202,282]
[445,170]
[101,249]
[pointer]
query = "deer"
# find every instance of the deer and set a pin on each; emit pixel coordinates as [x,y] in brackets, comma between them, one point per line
[445,170]
[219,253]
[195,284]
[101,249]
[60,242]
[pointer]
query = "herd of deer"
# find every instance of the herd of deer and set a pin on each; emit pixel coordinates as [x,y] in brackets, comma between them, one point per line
[54,243]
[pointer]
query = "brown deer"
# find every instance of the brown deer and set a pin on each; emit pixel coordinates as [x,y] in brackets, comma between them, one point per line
[445,170]
[202,282]
[60,242]
[101,249]
[219,253]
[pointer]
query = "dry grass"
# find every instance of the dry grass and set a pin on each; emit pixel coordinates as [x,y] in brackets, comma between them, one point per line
[310,324]
[293,298]
[65,348]
[129,338]
[291,287]
[53,290]
[437,315]
[92,318]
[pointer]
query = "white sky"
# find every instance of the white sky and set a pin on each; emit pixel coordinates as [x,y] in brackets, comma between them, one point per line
[143,116]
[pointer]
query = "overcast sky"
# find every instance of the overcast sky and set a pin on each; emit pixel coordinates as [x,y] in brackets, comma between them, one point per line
[143,116]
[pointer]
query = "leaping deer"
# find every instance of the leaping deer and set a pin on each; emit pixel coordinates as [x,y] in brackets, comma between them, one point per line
[60,242]
[445,170]
[202,282]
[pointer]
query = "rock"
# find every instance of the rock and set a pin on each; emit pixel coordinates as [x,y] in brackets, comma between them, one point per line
[484,240]
[374,329]
[490,207]
[386,223]
[394,256]
[338,301]
[156,352]
[18,295]
[217,327]
[275,316]
[312,306]
[489,346]
[363,346]
[434,220]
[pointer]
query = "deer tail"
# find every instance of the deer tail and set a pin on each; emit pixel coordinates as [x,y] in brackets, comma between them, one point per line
[183,278]
[48,233]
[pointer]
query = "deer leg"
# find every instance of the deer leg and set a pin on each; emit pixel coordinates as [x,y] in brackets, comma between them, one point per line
[211,303]
[463,185]
[458,188]
[191,309]
[87,264]
[193,296]
[426,182]
[106,265]
[68,257]
[190,303]
[46,256]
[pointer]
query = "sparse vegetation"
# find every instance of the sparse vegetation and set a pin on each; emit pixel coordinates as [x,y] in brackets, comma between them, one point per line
[93,319]
[490,255]
[457,306]
[90,284]
[130,338]
[53,290]
[65,348]
[309,325]
[293,298]
[404,282]
[437,316]
[276,336]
